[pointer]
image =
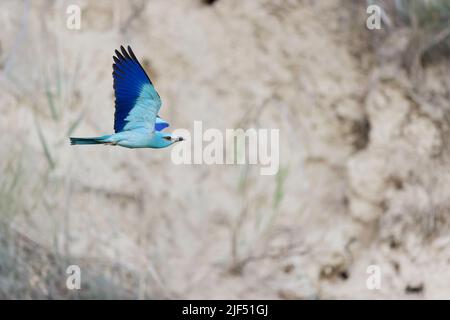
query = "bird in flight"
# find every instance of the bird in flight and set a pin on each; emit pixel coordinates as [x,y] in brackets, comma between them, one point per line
[136,120]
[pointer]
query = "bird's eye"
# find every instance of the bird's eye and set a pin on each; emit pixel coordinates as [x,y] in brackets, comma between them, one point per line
[168,138]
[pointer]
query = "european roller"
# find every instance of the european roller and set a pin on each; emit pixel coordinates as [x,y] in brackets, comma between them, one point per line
[136,120]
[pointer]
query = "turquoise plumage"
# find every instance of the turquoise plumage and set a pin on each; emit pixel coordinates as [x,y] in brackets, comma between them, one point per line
[136,120]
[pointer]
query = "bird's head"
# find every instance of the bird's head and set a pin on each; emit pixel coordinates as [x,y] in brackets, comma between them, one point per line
[167,139]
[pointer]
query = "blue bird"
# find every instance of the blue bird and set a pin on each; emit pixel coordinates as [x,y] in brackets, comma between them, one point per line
[136,120]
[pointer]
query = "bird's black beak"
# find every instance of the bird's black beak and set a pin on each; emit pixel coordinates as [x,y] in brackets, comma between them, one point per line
[180,138]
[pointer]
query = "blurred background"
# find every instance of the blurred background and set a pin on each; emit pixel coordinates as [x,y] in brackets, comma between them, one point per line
[364,137]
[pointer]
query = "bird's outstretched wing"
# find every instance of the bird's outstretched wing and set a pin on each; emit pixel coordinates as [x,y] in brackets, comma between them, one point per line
[137,102]
[160,124]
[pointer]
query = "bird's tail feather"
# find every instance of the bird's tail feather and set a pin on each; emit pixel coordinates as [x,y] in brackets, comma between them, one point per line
[81,141]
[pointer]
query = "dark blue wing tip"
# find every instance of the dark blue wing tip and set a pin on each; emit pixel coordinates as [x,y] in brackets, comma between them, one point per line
[124,60]
[161,126]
